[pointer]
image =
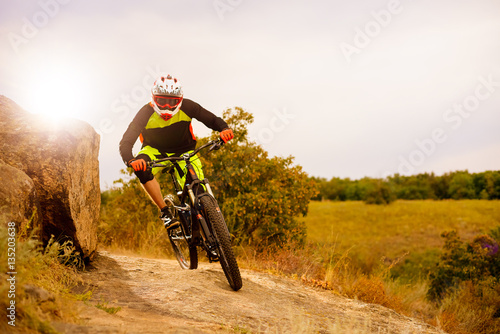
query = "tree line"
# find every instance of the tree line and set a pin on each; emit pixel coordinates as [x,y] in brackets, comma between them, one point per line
[452,185]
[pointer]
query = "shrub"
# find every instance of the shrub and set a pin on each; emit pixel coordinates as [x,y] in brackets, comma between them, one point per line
[474,261]
[465,284]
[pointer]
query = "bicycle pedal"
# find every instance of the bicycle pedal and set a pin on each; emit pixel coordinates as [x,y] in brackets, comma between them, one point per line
[169,224]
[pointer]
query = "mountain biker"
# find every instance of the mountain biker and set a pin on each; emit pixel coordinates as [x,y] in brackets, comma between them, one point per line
[164,128]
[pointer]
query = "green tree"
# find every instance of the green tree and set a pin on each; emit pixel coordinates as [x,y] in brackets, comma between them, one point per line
[455,185]
[492,184]
[440,185]
[462,186]
[379,192]
[334,189]
[325,190]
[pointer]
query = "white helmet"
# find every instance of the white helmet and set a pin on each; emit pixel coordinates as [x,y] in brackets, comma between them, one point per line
[166,96]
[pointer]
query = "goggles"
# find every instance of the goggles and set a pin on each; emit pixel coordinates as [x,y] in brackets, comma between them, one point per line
[167,102]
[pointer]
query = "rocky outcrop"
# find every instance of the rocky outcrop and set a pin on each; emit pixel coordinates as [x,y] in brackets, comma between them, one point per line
[62,160]
[19,200]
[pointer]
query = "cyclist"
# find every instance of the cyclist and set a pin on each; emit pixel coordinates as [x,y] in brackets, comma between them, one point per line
[164,128]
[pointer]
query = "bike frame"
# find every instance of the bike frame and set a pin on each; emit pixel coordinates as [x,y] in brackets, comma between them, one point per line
[196,229]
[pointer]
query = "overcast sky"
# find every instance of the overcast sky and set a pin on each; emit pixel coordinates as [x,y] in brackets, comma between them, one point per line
[351,89]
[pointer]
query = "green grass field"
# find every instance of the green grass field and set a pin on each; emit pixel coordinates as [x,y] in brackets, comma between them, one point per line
[371,232]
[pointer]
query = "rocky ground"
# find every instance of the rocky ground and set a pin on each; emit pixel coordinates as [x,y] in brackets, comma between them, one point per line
[157,296]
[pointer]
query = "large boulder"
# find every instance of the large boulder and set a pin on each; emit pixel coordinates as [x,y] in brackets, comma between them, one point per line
[19,201]
[62,160]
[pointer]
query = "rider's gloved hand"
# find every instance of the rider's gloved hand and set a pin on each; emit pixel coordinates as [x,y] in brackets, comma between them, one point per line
[226,135]
[138,164]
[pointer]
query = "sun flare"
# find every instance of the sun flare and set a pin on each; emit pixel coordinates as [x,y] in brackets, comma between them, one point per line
[58,92]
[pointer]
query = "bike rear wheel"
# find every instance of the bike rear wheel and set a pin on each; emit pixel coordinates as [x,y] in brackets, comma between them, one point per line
[214,218]
[186,255]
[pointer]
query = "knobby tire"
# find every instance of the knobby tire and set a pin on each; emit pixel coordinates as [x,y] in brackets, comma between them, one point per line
[227,259]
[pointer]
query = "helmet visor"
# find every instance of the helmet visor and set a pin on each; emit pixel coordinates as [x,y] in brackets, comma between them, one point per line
[167,102]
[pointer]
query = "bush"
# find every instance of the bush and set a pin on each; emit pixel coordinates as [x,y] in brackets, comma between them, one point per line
[465,284]
[474,261]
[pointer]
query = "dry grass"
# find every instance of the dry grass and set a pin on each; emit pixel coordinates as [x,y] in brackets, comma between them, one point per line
[292,261]
[471,310]
[373,231]
[372,290]
[41,268]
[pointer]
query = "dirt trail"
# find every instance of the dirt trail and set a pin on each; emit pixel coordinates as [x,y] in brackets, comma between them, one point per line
[157,296]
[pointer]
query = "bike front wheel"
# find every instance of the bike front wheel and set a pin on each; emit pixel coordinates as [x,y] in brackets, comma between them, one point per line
[214,218]
[186,255]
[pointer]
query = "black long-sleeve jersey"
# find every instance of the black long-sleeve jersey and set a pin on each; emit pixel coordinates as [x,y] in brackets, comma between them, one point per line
[172,136]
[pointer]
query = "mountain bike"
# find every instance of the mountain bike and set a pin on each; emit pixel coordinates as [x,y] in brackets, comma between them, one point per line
[199,220]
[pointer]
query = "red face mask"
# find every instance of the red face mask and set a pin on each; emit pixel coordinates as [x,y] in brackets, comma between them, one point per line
[166,117]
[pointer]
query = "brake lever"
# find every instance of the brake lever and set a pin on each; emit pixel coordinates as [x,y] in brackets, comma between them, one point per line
[217,145]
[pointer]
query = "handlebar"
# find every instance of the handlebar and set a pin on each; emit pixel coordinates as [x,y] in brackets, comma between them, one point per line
[215,145]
